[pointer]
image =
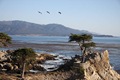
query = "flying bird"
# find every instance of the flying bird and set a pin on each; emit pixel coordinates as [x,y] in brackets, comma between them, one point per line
[39,12]
[48,12]
[59,12]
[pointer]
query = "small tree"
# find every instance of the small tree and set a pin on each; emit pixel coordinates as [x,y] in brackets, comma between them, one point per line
[77,38]
[23,56]
[84,42]
[4,39]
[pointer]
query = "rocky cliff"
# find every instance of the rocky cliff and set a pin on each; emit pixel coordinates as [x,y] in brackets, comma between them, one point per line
[97,67]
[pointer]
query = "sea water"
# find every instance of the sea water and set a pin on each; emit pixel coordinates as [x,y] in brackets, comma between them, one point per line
[114,53]
[60,39]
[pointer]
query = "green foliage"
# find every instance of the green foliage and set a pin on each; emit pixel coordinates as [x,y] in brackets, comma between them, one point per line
[88,45]
[23,55]
[4,39]
[86,37]
[75,37]
[80,38]
[84,41]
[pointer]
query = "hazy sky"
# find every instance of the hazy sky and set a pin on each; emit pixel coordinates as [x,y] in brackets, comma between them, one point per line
[100,16]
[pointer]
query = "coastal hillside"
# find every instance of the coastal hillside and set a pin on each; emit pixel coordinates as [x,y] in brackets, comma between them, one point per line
[27,28]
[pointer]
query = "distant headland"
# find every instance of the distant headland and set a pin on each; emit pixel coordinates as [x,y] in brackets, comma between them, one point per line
[18,27]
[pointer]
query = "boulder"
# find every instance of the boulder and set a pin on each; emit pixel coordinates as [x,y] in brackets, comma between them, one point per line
[38,67]
[43,57]
[8,66]
[2,54]
[15,67]
[1,66]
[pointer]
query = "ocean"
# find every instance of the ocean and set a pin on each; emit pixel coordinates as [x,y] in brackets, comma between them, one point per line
[61,39]
[114,52]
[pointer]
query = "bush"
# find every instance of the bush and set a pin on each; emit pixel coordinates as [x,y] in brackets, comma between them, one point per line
[68,65]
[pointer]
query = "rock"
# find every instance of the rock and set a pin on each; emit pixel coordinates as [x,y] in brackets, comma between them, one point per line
[97,67]
[9,51]
[69,75]
[105,56]
[43,57]
[97,58]
[2,54]
[15,67]
[48,56]
[8,66]
[1,66]
[38,67]
[85,65]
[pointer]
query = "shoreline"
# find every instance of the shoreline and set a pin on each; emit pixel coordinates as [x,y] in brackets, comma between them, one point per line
[54,47]
[71,49]
[17,44]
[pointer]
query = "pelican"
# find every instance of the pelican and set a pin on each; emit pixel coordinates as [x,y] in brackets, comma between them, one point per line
[39,12]
[59,12]
[48,12]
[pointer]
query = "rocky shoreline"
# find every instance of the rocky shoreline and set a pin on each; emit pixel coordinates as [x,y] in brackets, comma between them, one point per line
[89,71]
[71,49]
[96,66]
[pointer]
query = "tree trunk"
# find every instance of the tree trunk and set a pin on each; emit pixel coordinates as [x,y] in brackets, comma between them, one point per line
[83,55]
[80,47]
[23,70]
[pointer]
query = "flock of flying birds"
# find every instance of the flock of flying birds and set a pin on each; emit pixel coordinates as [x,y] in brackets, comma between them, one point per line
[48,12]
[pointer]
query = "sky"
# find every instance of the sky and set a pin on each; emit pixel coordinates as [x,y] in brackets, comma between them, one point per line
[99,16]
